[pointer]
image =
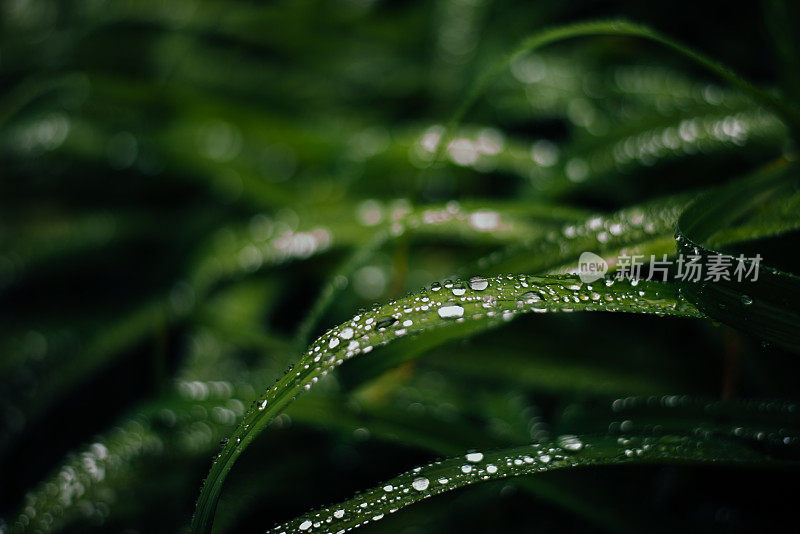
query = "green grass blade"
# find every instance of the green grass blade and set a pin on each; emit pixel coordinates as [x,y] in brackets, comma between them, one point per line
[621,28]
[768,307]
[569,451]
[437,313]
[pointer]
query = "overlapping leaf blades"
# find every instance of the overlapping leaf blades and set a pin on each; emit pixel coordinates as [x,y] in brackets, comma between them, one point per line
[700,119]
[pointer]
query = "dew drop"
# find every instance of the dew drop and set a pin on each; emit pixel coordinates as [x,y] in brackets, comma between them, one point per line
[420,483]
[305,525]
[570,442]
[346,333]
[476,283]
[491,469]
[450,312]
[338,514]
[474,457]
[531,297]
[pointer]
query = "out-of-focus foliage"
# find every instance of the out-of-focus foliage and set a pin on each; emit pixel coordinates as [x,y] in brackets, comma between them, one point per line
[193,192]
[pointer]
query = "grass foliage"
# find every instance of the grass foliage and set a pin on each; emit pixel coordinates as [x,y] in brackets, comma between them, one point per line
[328,244]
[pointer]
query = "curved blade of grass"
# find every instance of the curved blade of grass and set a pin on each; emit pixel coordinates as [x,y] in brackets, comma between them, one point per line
[652,222]
[766,422]
[437,312]
[630,145]
[621,28]
[768,307]
[95,473]
[569,451]
[603,159]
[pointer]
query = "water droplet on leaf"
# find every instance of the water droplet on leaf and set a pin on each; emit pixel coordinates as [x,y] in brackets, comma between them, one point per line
[450,312]
[420,483]
[476,283]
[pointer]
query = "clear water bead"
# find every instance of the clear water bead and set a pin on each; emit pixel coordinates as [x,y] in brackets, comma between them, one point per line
[450,312]
[346,333]
[476,283]
[420,483]
[570,442]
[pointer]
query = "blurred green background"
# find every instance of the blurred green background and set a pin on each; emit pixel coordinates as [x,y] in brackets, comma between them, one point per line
[180,180]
